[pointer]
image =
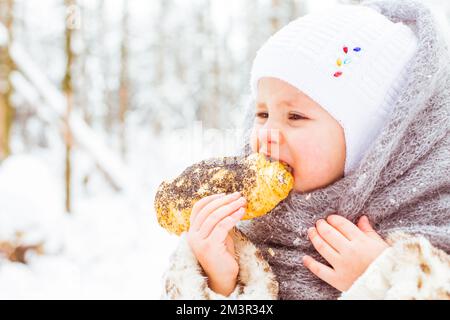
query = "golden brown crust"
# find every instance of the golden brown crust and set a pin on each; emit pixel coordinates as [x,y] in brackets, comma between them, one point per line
[262,182]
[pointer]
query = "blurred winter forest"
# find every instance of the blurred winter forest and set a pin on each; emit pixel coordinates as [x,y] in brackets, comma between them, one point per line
[99,102]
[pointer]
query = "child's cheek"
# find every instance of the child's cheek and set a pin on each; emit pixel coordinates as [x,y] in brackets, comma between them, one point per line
[309,158]
[320,167]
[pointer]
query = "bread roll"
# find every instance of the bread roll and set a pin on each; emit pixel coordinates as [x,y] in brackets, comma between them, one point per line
[263,182]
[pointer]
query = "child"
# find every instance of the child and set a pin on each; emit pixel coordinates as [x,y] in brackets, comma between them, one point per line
[356,100]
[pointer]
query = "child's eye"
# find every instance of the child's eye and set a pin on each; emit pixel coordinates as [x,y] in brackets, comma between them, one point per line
[294,116]
[263,115]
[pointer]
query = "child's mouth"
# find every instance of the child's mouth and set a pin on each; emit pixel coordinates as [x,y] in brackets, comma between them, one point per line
[288,167]
[285,164]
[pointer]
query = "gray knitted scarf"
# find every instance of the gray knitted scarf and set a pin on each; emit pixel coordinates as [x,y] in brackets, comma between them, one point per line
[403,182]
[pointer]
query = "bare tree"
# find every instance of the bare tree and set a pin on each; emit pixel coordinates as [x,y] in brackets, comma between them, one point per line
[275,16]
[124,81]
[6,90]
[67,86]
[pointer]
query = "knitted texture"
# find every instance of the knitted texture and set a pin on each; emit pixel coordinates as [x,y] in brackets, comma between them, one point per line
[401,184]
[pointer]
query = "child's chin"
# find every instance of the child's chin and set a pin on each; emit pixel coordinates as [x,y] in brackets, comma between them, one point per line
[301,188]
[298,187]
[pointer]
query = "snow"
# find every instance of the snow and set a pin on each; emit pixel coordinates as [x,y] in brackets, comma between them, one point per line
[33,202]
[108,248]
[29,94]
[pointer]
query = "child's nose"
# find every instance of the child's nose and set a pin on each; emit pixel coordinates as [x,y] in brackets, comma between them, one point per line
[269,141]
[270,135]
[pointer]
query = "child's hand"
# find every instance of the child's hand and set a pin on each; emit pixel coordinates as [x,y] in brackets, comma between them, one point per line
[348,248]
[211,220]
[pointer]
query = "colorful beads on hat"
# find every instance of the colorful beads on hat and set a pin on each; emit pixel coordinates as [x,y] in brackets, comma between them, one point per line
[347,60]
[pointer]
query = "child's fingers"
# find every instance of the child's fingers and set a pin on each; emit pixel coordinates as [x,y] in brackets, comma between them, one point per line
[199,205]
[218,215]
[221,230]
[346,227]
[333,237]
[364,226]
[212,206]
[320,270]
[322,247]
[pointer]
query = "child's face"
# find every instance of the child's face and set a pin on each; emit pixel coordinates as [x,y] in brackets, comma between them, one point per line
[291,127]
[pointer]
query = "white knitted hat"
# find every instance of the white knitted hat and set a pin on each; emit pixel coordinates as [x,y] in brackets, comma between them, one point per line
[350,60]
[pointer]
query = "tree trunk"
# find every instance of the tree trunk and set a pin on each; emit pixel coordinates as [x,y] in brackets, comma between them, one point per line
[6,90]
[275,17]
[124,82]
[68,91]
